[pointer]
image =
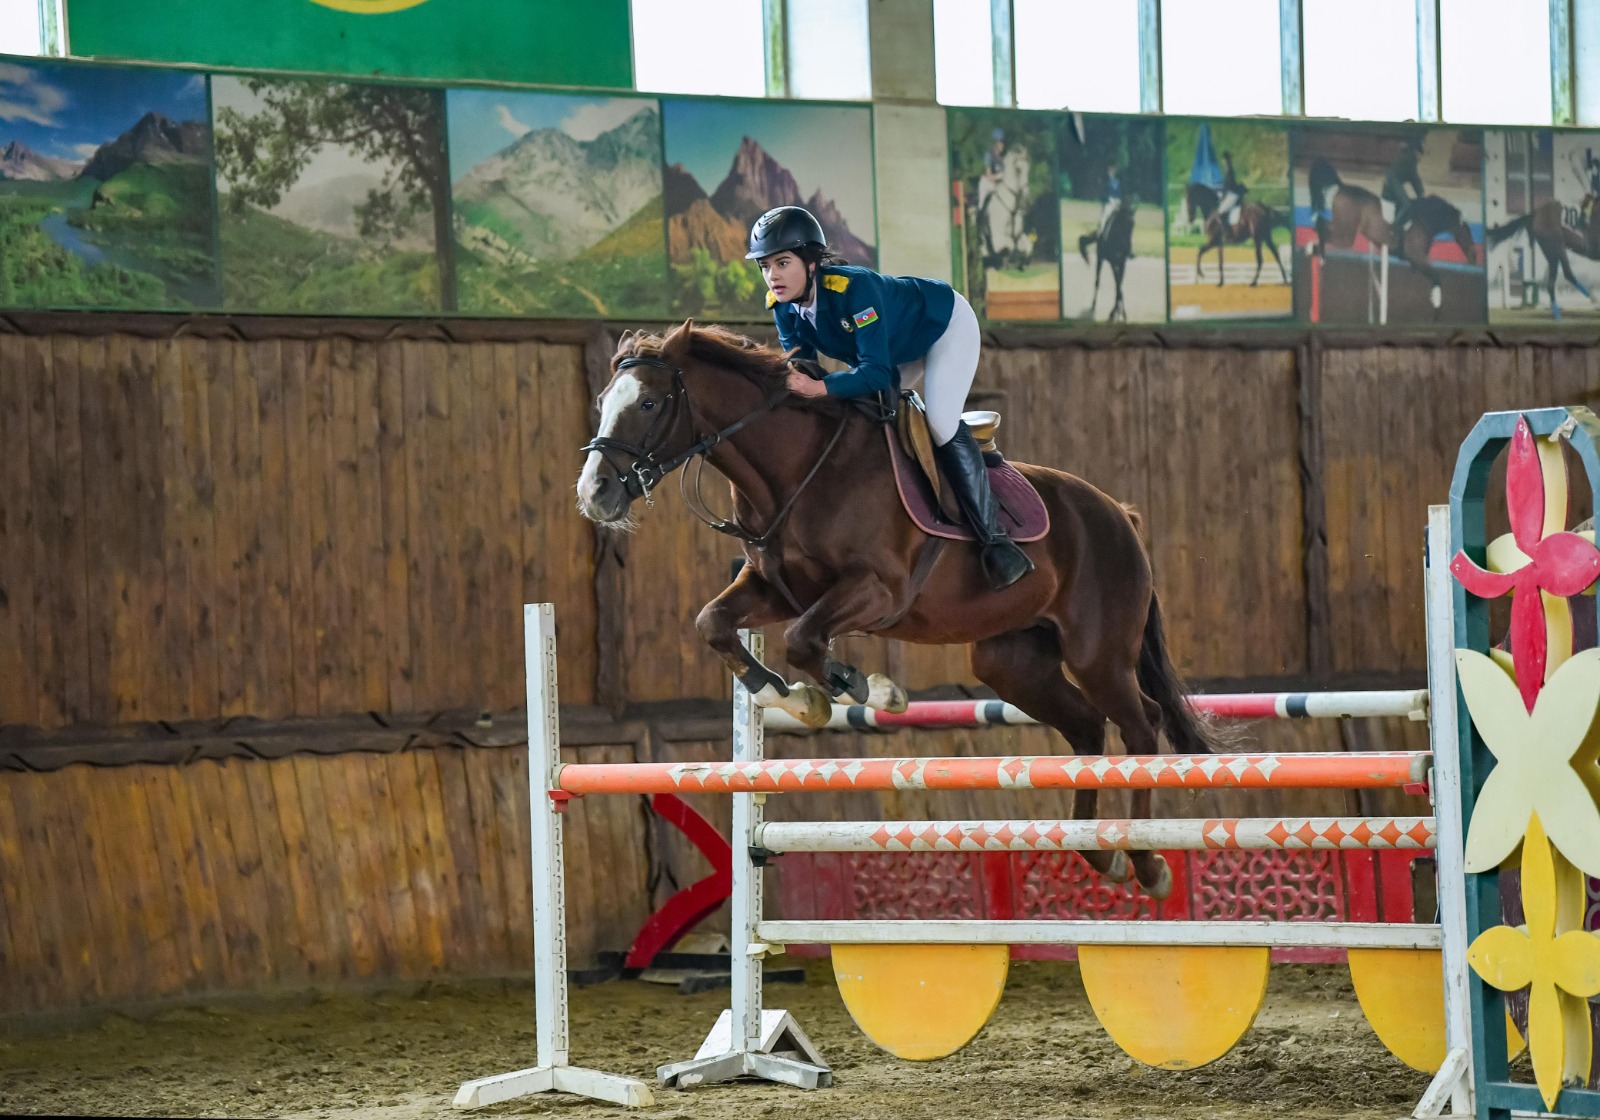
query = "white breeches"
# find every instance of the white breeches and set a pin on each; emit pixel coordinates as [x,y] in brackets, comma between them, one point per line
[945,373]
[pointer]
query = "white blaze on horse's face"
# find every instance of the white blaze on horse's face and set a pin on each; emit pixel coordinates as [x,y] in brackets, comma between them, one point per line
[620,395]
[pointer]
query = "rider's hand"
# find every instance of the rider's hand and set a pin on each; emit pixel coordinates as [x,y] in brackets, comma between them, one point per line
[804,385]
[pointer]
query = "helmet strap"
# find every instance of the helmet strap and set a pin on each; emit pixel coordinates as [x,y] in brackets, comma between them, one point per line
[811,282]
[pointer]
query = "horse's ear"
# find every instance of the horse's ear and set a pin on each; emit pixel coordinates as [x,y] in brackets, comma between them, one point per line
[675,347]
[624,342]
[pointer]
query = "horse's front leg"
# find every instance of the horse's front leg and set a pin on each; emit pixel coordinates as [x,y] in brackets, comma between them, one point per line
[1254,280]
[751,602]
[857,601]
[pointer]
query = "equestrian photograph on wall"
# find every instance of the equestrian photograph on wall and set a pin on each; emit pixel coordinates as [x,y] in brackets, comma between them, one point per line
[1541,229]
[1002,167]
[1113,231]
[1389,224]
[1227,219]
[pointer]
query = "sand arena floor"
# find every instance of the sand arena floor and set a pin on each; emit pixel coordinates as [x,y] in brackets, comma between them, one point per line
[399,1055]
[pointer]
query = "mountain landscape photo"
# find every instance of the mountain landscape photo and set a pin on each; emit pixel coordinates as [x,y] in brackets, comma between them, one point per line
[723,172]
[106,204]
[564,219]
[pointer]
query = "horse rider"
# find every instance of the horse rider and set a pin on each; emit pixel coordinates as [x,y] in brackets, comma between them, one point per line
[1402,174]
[881,325]
[1232,196]
[1110,203]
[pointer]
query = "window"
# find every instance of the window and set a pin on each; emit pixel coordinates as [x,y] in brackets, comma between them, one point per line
[1361,59]
[19,27]
[699,46]
[963,52]
[1494,58]
[829,53]
[1221,59]
[1077,54]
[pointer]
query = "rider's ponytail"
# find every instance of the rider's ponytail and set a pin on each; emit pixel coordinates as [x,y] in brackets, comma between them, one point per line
[819,255]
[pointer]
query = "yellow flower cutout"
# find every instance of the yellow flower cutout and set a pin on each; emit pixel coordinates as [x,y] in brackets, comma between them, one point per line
[1561,969]
[836,283]
[1545,762]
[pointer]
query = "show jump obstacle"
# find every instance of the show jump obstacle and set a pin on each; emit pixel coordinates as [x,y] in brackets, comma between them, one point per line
[1513,775]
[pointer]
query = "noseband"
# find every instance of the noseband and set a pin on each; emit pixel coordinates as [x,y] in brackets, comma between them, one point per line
[647,470]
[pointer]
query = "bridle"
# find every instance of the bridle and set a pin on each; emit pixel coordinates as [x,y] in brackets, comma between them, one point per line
[647,470]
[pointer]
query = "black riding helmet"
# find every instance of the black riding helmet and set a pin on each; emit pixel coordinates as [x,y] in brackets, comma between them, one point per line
[783,228]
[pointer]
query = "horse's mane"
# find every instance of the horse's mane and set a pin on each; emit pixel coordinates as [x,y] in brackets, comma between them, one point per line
[718,346]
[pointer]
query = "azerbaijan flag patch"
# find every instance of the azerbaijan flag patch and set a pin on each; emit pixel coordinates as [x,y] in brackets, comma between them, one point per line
[867,317]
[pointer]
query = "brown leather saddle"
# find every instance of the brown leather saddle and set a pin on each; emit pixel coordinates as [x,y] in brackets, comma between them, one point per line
[928,498]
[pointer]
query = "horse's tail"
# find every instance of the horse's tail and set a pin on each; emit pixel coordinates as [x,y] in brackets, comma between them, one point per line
[1323,179]
[1496,234]
[1187,731]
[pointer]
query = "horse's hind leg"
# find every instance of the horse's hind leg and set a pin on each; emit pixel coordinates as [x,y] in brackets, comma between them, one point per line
[1110,684]
[1273,245]
[1024,668]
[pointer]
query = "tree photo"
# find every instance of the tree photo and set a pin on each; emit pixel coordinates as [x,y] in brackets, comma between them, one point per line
[335,197]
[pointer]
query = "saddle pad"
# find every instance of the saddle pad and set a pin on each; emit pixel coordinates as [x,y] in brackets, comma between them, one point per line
[1022,512]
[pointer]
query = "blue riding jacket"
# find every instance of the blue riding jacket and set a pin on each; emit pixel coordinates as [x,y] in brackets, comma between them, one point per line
[874,322]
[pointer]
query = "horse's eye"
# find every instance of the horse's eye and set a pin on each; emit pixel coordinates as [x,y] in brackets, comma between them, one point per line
[646,406]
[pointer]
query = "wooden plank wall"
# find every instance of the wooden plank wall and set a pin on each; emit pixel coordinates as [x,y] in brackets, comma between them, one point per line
[199,529]
[202,529]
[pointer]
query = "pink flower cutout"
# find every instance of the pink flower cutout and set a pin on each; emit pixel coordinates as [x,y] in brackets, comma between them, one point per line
[1561,564]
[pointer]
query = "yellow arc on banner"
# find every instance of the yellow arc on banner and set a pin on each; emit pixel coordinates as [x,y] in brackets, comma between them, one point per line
[369,7]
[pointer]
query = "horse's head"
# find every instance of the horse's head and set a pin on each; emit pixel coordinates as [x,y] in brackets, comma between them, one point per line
[644,425]
[650,425]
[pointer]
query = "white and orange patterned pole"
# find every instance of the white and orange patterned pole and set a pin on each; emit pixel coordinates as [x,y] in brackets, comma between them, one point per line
[1237,834]
[1309,770]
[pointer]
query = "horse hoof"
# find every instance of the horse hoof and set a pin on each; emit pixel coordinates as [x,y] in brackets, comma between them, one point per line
[1120,870]
[1162,886]
[884,695]
[810,705]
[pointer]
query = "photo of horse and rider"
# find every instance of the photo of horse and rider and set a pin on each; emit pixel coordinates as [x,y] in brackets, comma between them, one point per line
[1388,224]
[1228,220]
[1542,214]
[1113,229]
[1003,172]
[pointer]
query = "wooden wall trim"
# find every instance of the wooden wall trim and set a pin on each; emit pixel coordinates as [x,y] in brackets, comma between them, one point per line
[582,331]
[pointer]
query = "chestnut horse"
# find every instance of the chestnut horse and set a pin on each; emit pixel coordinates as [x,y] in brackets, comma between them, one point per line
[1356,210]
[830,550]
[1256,223]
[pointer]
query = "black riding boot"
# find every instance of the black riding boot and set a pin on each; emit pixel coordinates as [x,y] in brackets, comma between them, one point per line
[962,463]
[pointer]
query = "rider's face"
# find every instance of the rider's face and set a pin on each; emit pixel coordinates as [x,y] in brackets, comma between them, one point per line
[785,275]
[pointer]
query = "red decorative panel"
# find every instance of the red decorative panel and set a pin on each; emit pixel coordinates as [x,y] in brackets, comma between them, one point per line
[914,885]
[1271,886]
[1060,885]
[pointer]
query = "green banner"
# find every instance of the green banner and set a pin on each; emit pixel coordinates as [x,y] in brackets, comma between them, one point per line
[555,42]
